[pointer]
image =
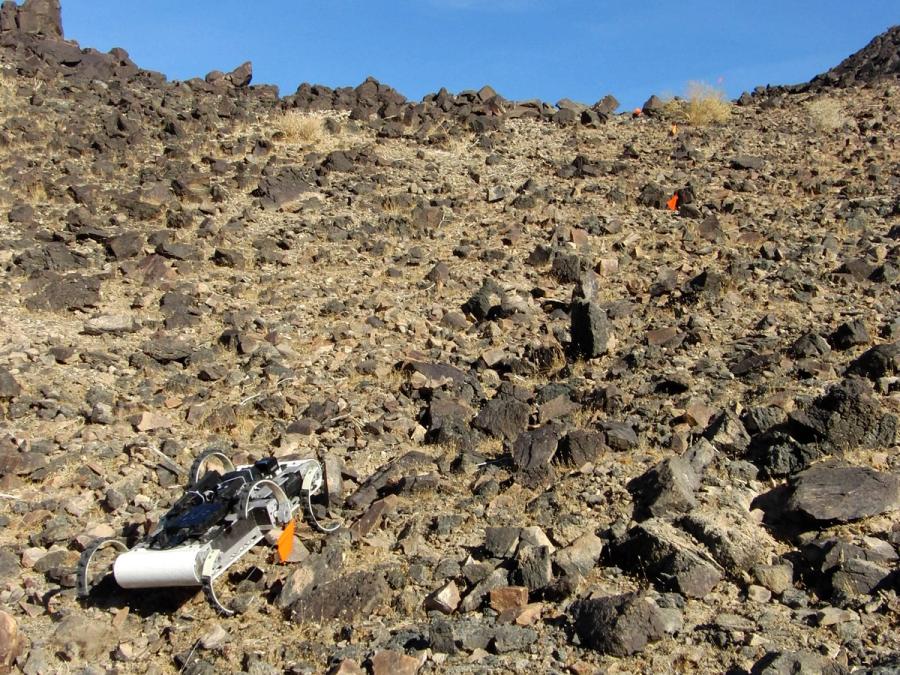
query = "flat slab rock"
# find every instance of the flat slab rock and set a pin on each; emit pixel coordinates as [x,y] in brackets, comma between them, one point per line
[833,492]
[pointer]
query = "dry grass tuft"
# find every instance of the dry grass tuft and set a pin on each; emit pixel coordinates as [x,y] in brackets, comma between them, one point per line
[703,105]
[298,127]
[826,114]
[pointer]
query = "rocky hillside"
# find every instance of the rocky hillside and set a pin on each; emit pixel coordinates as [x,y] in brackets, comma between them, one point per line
[877,61]
[593,392]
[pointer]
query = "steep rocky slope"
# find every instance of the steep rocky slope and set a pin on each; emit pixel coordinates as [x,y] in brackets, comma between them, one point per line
[569,428]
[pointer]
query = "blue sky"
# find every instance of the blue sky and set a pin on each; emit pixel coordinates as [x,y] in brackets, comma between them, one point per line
[546,49]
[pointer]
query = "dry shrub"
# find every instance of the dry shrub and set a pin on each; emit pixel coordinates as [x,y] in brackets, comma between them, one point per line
[826,114]
[298,127]
[703,105]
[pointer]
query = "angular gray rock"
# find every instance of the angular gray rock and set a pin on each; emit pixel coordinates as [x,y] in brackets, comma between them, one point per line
[501,542]
[619,625]
[535,569]
[879,361]
[40,16]
[791,663]
[728,434]
[533,452]
[830,492]
[666,489]
[668,556]
[591,330]
[352,595]
[858,577]
[578,447]
[733,538]
[581,556]
[845,417]
[503,418]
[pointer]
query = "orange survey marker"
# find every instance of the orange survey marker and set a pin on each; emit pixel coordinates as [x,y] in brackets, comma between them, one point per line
[286,541]
[672,204]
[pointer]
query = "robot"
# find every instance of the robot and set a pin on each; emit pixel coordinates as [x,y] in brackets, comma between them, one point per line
[220,517]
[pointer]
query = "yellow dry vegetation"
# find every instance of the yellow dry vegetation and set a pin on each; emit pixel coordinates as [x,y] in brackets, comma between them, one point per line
[298,127]
[702,105]
[826,114]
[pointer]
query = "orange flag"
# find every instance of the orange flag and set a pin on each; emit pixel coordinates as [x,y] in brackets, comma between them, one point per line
[286,542]
[672,204]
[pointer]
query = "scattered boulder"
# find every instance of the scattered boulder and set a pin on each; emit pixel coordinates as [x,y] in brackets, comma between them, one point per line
[70,292]
[832,492]
[579,447]
[666,489]
[533,452]
[668,555]
[43,17]
[350,596]
[619,625]
[847,416]
[503,418]
[879,361]
[581,556]
[788,663]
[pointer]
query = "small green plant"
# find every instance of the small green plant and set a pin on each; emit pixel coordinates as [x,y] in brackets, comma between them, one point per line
[826,114]
[702,105]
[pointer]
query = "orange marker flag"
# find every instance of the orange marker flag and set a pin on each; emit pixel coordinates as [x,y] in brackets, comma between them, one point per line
[286,541]
[672,204]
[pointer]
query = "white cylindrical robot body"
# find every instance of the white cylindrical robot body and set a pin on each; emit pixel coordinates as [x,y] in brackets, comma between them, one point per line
[146,568]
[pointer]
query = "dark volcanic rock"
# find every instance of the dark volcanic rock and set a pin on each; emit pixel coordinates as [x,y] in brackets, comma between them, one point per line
[533,451]
[847,416]
[9,388]
[850,334]
[39,16]
[878,361]
[619,625]
[670,558]
[503,418]
[878,60]
[666,489]
[242,75]
[166,349]
[858,577]
[579,447]
[810,345]
[620,436]
[789,663]
[653,195]
[833,492]
[125,245]
[747,162]
[535,570]
[728,434]
[350,596]
[779,454]
[591,329]
[501,542]
[69,292]
[283,188]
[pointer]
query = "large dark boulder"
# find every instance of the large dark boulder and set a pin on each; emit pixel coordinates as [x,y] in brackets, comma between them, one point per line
[829,492]
[41,17]
[618,625]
